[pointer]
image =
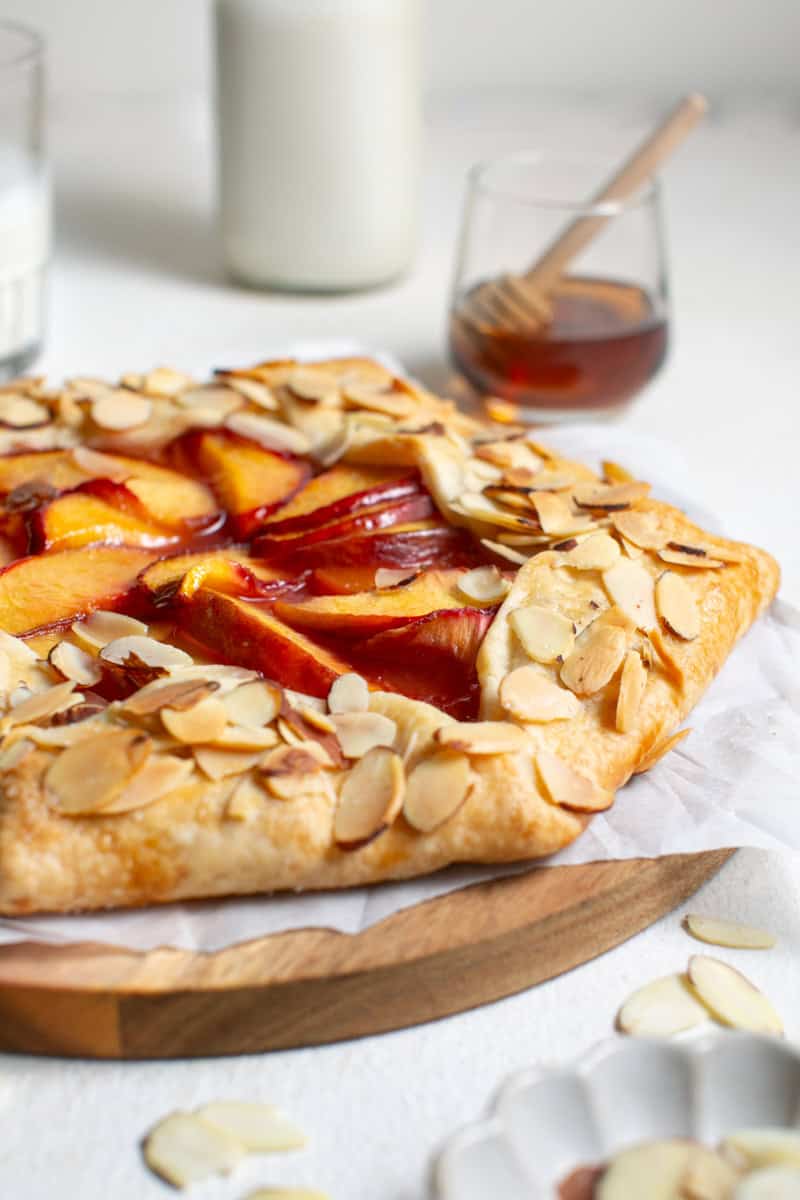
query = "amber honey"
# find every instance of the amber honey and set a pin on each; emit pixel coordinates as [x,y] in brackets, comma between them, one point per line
[601,344]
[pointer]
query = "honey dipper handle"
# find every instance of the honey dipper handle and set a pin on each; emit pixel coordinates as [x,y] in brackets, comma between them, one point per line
[641,165]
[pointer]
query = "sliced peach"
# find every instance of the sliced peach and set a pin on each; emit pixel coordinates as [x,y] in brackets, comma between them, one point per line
[368,613]
[246,634]
[340,491]
[37,593]
[162,579]
[418,544]
[250,481]
[416,507]
[341,581]
[55,467]
[80,519]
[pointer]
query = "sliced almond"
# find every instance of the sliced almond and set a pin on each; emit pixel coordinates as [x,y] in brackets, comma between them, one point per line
[19,652]
[435,790]
[298,700]
[120,410]
[481,737]
[220,764]
[287,1193]
[136,650]
[555,515]
[484,585]
[657,752]
[391,404]
[101,627]
[204,721]
[40,705]
[629,548]
[318,387]
[253,704]
[268,432]
[221,401]
[242,737]
[245,801]
[614,473]
[595,660]
[764,1147]
[184,1150]
[506,552]
[597,552]
[20,412]
[307,758]
[13,755]
[319,720]
[677,606]
[545,636]
[161,381]
[334,447]
[632,684]
[260,1128]
[387,577]
[769,1183]
[225,678]
[569,788]
[55,737]
[75,664]
[728,933]
[510,454]
[609,497]
[631,587]
[371,797]
[160,775]
[652,1170]
[661,1008]
[253,390]
[700,561]
[529,695]
[359,732]
[349,693]
[476,505]
[731,997]
[87,777]
[518,499]
[167,693]
[643,529]
[290,734]
[666,658]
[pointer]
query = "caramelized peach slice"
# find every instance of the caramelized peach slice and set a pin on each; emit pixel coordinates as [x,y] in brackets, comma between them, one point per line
[246,634]
[80,519]
[340,491]
[366,613]
[37,593]
[418,544]
[383,516]
[250,481]
[162,579]
[342,581]
[455,633]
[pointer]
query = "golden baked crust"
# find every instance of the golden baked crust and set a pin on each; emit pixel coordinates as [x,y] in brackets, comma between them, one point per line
[85,828]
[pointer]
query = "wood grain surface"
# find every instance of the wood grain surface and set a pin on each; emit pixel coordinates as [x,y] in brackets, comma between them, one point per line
[313,986]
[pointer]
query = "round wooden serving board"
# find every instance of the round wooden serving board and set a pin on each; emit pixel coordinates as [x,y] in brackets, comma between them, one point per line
[313,986]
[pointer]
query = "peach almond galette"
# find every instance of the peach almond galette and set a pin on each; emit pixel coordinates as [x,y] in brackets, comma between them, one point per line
[308,626]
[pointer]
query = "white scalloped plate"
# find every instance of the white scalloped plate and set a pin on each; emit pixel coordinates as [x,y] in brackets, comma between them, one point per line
[547,1121]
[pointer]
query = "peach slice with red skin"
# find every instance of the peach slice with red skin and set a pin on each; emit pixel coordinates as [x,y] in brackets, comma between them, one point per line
[367,613]
[416,507]
[162,579]
[340,491]
[246,634]
[38,593]
[341,581]
[418,544]
[79,518]
[250,481]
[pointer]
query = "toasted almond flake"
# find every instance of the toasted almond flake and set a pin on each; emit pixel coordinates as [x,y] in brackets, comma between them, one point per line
[677,606]
[19,695]
[87,777]
[529,695]
[221,401]
[731,997]
[768,1183]
[349,693]
[643,529]
[297,786]
[666,658]
[651,1170]
[260,1128]
[254,704]
[298,700]
[481,737]
[245,801]
[595,660]
[184,1150]
[387,577]
[287,1193]
[204,721]
[99,465]
[661,1008]
[390,404]
[609,498]
[57,737]
[160,775]
[102,627]
[253,390]
[632,684]
[121,410]
[657,752]
[435,789]
[19,652]
[614,473]
[329,451]
[629,548]
[20,412]
[517,499]
[162,381]
[306,758]
[484,585]
[243,737]
[512,556]
[680,558]
[597,552]
[319,720]
[12,756]
[631,587]
[318,387]
[556,516]
[764,1147]
[75,664]
[511,455]
[370,798]
[40,705]
[359,732]
[545,636]
[167,693]
[225,678]
[136,649]
[501,411]
[728,933]
[220,764]
[477,506]
[268,432]
[569,788]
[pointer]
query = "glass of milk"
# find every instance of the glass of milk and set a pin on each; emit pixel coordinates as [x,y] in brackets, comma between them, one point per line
[24,198]
[319,121]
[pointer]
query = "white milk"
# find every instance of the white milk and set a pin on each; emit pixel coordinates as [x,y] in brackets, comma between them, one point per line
[24,249]
[319,112]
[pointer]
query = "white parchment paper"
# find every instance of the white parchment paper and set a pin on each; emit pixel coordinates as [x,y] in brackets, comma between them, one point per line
[735,781]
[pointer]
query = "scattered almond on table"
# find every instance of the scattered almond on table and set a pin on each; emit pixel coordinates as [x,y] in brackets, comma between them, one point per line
[728,933]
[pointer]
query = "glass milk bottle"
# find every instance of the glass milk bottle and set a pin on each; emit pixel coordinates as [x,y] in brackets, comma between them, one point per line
[319,118]
[24,199]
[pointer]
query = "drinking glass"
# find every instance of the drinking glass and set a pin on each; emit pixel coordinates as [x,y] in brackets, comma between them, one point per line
[587,341]
[24,198]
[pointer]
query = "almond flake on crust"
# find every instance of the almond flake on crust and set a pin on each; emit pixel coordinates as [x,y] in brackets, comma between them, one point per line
[202,722]
[40,705]
[136,650]
[20,412]
[632,684]
[314,385]
[631,587]
[595,660]
[220,764]
[657,752]
[597,552]
[545,635]
[160,775]
[697,559]
[359,732]
[507,552]
[677,606]
[245,801]
[121,410]
[268,432]
[242,737]
[529,695]
[484,585]
[435,790]
[349,693]
[102,627]
[609,497]
[76,664]
[642,528]
[371,797]
[568,788]
[253,704]
[252,389]
[167,693]
[555,515]
[481,737]
[87,777]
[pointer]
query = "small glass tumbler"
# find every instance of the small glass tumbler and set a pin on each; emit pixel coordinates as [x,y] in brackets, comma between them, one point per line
[578,340]
[24,198]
